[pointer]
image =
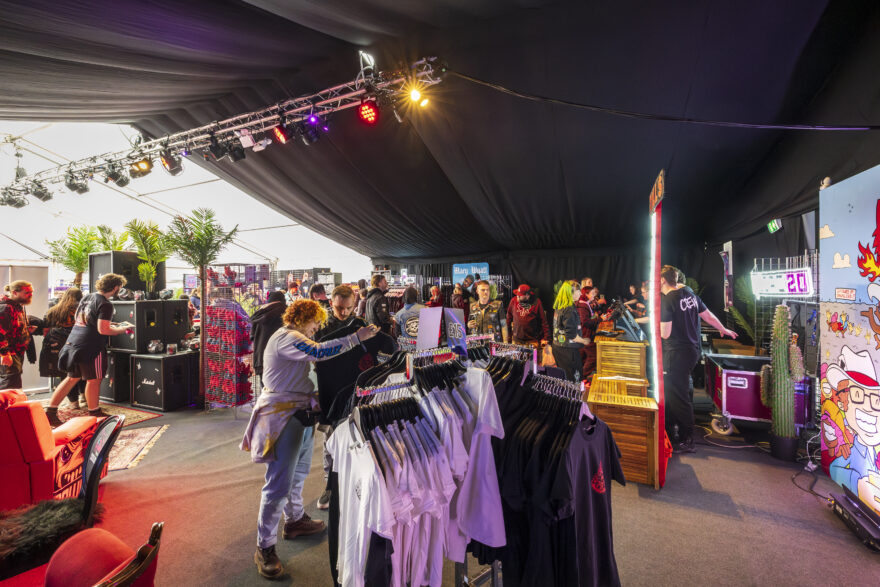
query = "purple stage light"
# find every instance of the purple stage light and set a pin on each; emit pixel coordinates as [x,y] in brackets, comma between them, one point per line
[313,119]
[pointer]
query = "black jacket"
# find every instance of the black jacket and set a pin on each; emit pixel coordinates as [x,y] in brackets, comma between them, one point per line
[265,321]
[377,310]
[333,324]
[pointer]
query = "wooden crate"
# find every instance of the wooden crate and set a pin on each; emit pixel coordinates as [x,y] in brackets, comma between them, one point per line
[621,358]
[633,421]
[620,385]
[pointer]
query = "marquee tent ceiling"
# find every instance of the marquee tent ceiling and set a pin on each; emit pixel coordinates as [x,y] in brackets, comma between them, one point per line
[481,170]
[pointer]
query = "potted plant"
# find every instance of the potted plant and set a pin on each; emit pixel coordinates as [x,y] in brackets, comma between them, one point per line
[777,385]
[74,249]
[198,239]
[110,240]
[152,248]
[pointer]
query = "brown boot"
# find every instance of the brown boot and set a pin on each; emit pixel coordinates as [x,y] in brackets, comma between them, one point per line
[268,563]
[305,526]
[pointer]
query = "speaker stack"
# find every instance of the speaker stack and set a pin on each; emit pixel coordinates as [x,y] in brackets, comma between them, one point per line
[124,263]
[155,381]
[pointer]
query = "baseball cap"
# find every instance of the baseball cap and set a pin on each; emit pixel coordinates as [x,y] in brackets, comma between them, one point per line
[522,290]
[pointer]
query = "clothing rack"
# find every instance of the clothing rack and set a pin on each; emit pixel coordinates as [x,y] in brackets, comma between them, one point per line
[406,343]
[564,387]
[475,338]
[526,353]
[365,391]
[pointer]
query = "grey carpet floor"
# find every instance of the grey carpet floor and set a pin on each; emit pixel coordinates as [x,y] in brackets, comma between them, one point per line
[725,517]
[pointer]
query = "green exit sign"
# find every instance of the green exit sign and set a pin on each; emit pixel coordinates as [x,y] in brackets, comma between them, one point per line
[774,225]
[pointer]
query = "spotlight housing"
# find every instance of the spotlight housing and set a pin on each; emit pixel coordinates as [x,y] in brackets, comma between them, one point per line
[235,152]
[76,184]
[309,134]
[40,192]
[262,144]
[116,175]
[283,133]
[11,198]
[368,111]
[171,162]
[218,150]
[140,168]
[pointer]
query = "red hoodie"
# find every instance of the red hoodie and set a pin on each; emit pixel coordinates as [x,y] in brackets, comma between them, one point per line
[528,322]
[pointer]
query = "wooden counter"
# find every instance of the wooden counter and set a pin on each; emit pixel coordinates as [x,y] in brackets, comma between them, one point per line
[621,358]
[620,385]
[633,421]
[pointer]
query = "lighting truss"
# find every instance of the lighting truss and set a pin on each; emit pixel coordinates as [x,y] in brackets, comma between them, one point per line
[383,86]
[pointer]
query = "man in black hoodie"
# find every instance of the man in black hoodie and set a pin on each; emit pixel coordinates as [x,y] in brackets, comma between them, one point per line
[377,305]
[265,321]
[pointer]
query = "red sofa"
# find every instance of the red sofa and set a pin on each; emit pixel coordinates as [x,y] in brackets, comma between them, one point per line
[36,462]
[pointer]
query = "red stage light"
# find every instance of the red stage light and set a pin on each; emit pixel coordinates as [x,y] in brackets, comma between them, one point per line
[282,133]
[368,112]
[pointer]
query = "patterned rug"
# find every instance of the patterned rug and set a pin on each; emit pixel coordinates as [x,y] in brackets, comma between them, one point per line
[132,416]
[133,445]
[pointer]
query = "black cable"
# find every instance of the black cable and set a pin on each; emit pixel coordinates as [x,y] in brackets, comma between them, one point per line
[659,117]
[812,484]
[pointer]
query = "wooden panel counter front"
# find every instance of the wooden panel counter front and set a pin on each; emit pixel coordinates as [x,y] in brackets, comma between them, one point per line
[633,421]
[621,358]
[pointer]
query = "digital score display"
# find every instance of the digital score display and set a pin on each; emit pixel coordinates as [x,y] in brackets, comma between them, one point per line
[785,283]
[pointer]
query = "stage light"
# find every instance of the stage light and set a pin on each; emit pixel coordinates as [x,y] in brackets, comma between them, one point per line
[76,184]
[184,152]
[40,192]
[117,176]
[236,152]
[368,111]
[217,150]
[314,119]
[283,132]
[262,144]
[140,168]
[171,162]
[11,198]
[309,135]
[415,95]
[423,103]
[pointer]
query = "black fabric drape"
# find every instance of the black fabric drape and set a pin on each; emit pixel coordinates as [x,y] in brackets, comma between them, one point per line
[480,171]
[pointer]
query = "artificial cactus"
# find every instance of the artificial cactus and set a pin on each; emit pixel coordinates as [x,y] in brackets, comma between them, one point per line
[778,378]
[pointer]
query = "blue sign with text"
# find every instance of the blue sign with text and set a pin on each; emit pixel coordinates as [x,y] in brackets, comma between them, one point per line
[462,270]
[456,330]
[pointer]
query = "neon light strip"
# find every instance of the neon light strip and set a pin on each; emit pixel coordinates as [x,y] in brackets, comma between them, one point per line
[654,304]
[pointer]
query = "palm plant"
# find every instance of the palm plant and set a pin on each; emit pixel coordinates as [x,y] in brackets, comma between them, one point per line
[199,239]
[72,251]
[110,240]
[152,248]
[743,292]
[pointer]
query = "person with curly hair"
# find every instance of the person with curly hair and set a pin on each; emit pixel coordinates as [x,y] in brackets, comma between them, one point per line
[281,427]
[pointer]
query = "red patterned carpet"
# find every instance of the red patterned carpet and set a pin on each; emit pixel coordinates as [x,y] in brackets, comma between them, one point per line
[132,416]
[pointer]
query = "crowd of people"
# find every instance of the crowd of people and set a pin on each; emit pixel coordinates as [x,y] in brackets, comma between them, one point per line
[342,335]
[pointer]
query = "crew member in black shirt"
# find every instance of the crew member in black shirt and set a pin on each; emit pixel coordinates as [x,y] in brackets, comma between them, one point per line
[377,305]
[680,313]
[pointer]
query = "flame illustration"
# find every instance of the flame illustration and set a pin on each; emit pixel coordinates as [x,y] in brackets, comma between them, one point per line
[868,263]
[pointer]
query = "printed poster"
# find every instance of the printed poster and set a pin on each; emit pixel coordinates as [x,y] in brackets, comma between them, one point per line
[849,321]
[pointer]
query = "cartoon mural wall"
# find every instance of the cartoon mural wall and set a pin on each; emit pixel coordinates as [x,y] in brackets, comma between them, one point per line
[849,293]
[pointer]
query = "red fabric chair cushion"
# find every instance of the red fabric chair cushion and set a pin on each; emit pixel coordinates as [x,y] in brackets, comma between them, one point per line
[11,396]
[86,558]
[32,430]
[73,428]
[15,487]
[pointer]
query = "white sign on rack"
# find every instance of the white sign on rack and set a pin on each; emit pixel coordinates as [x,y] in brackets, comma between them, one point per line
[784,283]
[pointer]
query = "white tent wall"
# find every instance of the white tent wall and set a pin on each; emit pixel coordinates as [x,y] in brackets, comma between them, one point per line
[265,235]
[38,275]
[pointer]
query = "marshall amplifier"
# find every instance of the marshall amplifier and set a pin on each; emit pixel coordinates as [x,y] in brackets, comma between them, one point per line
[149,319]
[122,263]
[160,382]
[116,385]
[176,320]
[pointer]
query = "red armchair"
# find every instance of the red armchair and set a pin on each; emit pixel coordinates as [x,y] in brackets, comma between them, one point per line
[38,462]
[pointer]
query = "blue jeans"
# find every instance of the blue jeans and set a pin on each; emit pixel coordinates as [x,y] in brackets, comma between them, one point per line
[285,477]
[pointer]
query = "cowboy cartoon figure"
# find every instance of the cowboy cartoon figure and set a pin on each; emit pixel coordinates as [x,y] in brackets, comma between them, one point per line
[854,375]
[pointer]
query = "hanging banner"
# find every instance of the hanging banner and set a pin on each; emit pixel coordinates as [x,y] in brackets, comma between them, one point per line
[460,271]
[456,330]
[849,320]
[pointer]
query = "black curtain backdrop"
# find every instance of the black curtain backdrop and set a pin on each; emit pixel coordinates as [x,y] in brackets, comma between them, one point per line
[481,172]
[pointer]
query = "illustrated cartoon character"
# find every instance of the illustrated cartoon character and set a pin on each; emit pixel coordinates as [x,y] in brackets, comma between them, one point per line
[854,375]
[873,315]
[838,326]
[868,258]
[837,439]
